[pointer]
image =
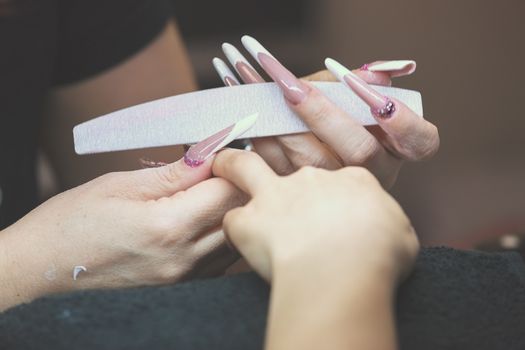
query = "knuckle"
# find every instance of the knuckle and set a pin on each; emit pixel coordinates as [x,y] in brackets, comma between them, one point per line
[308,171]
[172,272]
[417,150]
[359,174]
[321,109]
[366,150]
[168,175]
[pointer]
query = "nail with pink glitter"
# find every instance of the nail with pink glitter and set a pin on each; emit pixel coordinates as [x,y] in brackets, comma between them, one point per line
[198,153]
[293,89]
[380,106]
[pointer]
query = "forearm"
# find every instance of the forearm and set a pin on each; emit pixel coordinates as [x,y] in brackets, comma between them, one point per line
[331,313]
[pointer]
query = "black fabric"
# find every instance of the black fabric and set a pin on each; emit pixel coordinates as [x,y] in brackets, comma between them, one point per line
[453,300]
[45,43]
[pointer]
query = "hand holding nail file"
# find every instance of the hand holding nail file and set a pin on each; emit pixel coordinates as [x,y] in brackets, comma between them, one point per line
[188,118]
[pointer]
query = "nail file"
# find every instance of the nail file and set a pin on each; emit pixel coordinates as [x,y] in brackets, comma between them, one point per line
[191,117]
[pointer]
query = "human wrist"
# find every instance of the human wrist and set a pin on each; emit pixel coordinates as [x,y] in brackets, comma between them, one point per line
[19,281]
[305,305]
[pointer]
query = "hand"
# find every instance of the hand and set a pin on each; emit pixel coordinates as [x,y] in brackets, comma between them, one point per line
[336,139]
[315,221]
[145,227]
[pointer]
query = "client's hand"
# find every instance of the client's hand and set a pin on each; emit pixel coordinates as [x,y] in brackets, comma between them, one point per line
[142,227]
[316,224]
[337,140]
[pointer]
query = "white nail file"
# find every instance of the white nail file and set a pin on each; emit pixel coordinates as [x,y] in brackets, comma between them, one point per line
[191,117]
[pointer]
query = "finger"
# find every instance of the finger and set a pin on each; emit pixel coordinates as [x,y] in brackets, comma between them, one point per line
[378,78]
[267,147]
[270,150]
[199,210]
[246,170]
[322,75]
[243,67]
[154,183]
[306,149]
[409,136]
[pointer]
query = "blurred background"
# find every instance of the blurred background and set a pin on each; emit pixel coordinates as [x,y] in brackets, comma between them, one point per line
[470,59]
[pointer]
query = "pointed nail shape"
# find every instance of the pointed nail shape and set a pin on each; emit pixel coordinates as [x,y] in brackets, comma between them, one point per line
[380,106]
[246,71]
[224,72]
[198,153]
[395,68]
[293,89]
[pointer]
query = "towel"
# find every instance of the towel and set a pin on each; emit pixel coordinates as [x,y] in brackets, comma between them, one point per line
[453,300]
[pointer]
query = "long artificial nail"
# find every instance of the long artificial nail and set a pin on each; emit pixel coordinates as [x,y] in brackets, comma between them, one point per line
[380,105]
[198,153]
[248,74]
[394,68]
[224,72]
[293,89]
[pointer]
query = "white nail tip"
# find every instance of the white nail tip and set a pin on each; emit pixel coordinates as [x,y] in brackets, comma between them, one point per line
[239,128]
[233,55]
[336,68]
[223,70]
[408,66]
[254,47]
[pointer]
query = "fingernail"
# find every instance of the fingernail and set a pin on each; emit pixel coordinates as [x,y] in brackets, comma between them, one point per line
[224,72]
[394,68]
[198,153]
[293,89]
[380,106]
[246,71]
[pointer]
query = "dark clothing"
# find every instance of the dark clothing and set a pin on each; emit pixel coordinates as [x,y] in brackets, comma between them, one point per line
[45,43]
[453,300]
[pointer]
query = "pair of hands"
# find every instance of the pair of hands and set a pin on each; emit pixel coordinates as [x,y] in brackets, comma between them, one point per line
[162,225]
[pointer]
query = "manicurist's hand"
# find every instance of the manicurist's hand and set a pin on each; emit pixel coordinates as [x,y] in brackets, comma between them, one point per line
[144,227]
[315,219]
[336,139]
[333,244]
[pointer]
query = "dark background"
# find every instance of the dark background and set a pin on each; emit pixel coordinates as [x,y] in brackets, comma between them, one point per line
[470,70]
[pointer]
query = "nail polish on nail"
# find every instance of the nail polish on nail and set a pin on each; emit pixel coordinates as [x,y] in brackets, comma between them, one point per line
[246,71]
[395,68]
[198,153]
[224,72]
[380,106]
[293,89]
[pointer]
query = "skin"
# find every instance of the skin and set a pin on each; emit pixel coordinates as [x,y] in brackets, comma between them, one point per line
[382,149]
[145,227]
[302,233]
[128,228]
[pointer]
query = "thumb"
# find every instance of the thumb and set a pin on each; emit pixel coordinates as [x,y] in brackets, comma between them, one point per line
[155,183]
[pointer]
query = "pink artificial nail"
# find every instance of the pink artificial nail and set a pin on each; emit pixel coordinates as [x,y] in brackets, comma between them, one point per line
[198,153]
[293,89]
[245,70]
[224,72]
[381,106]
